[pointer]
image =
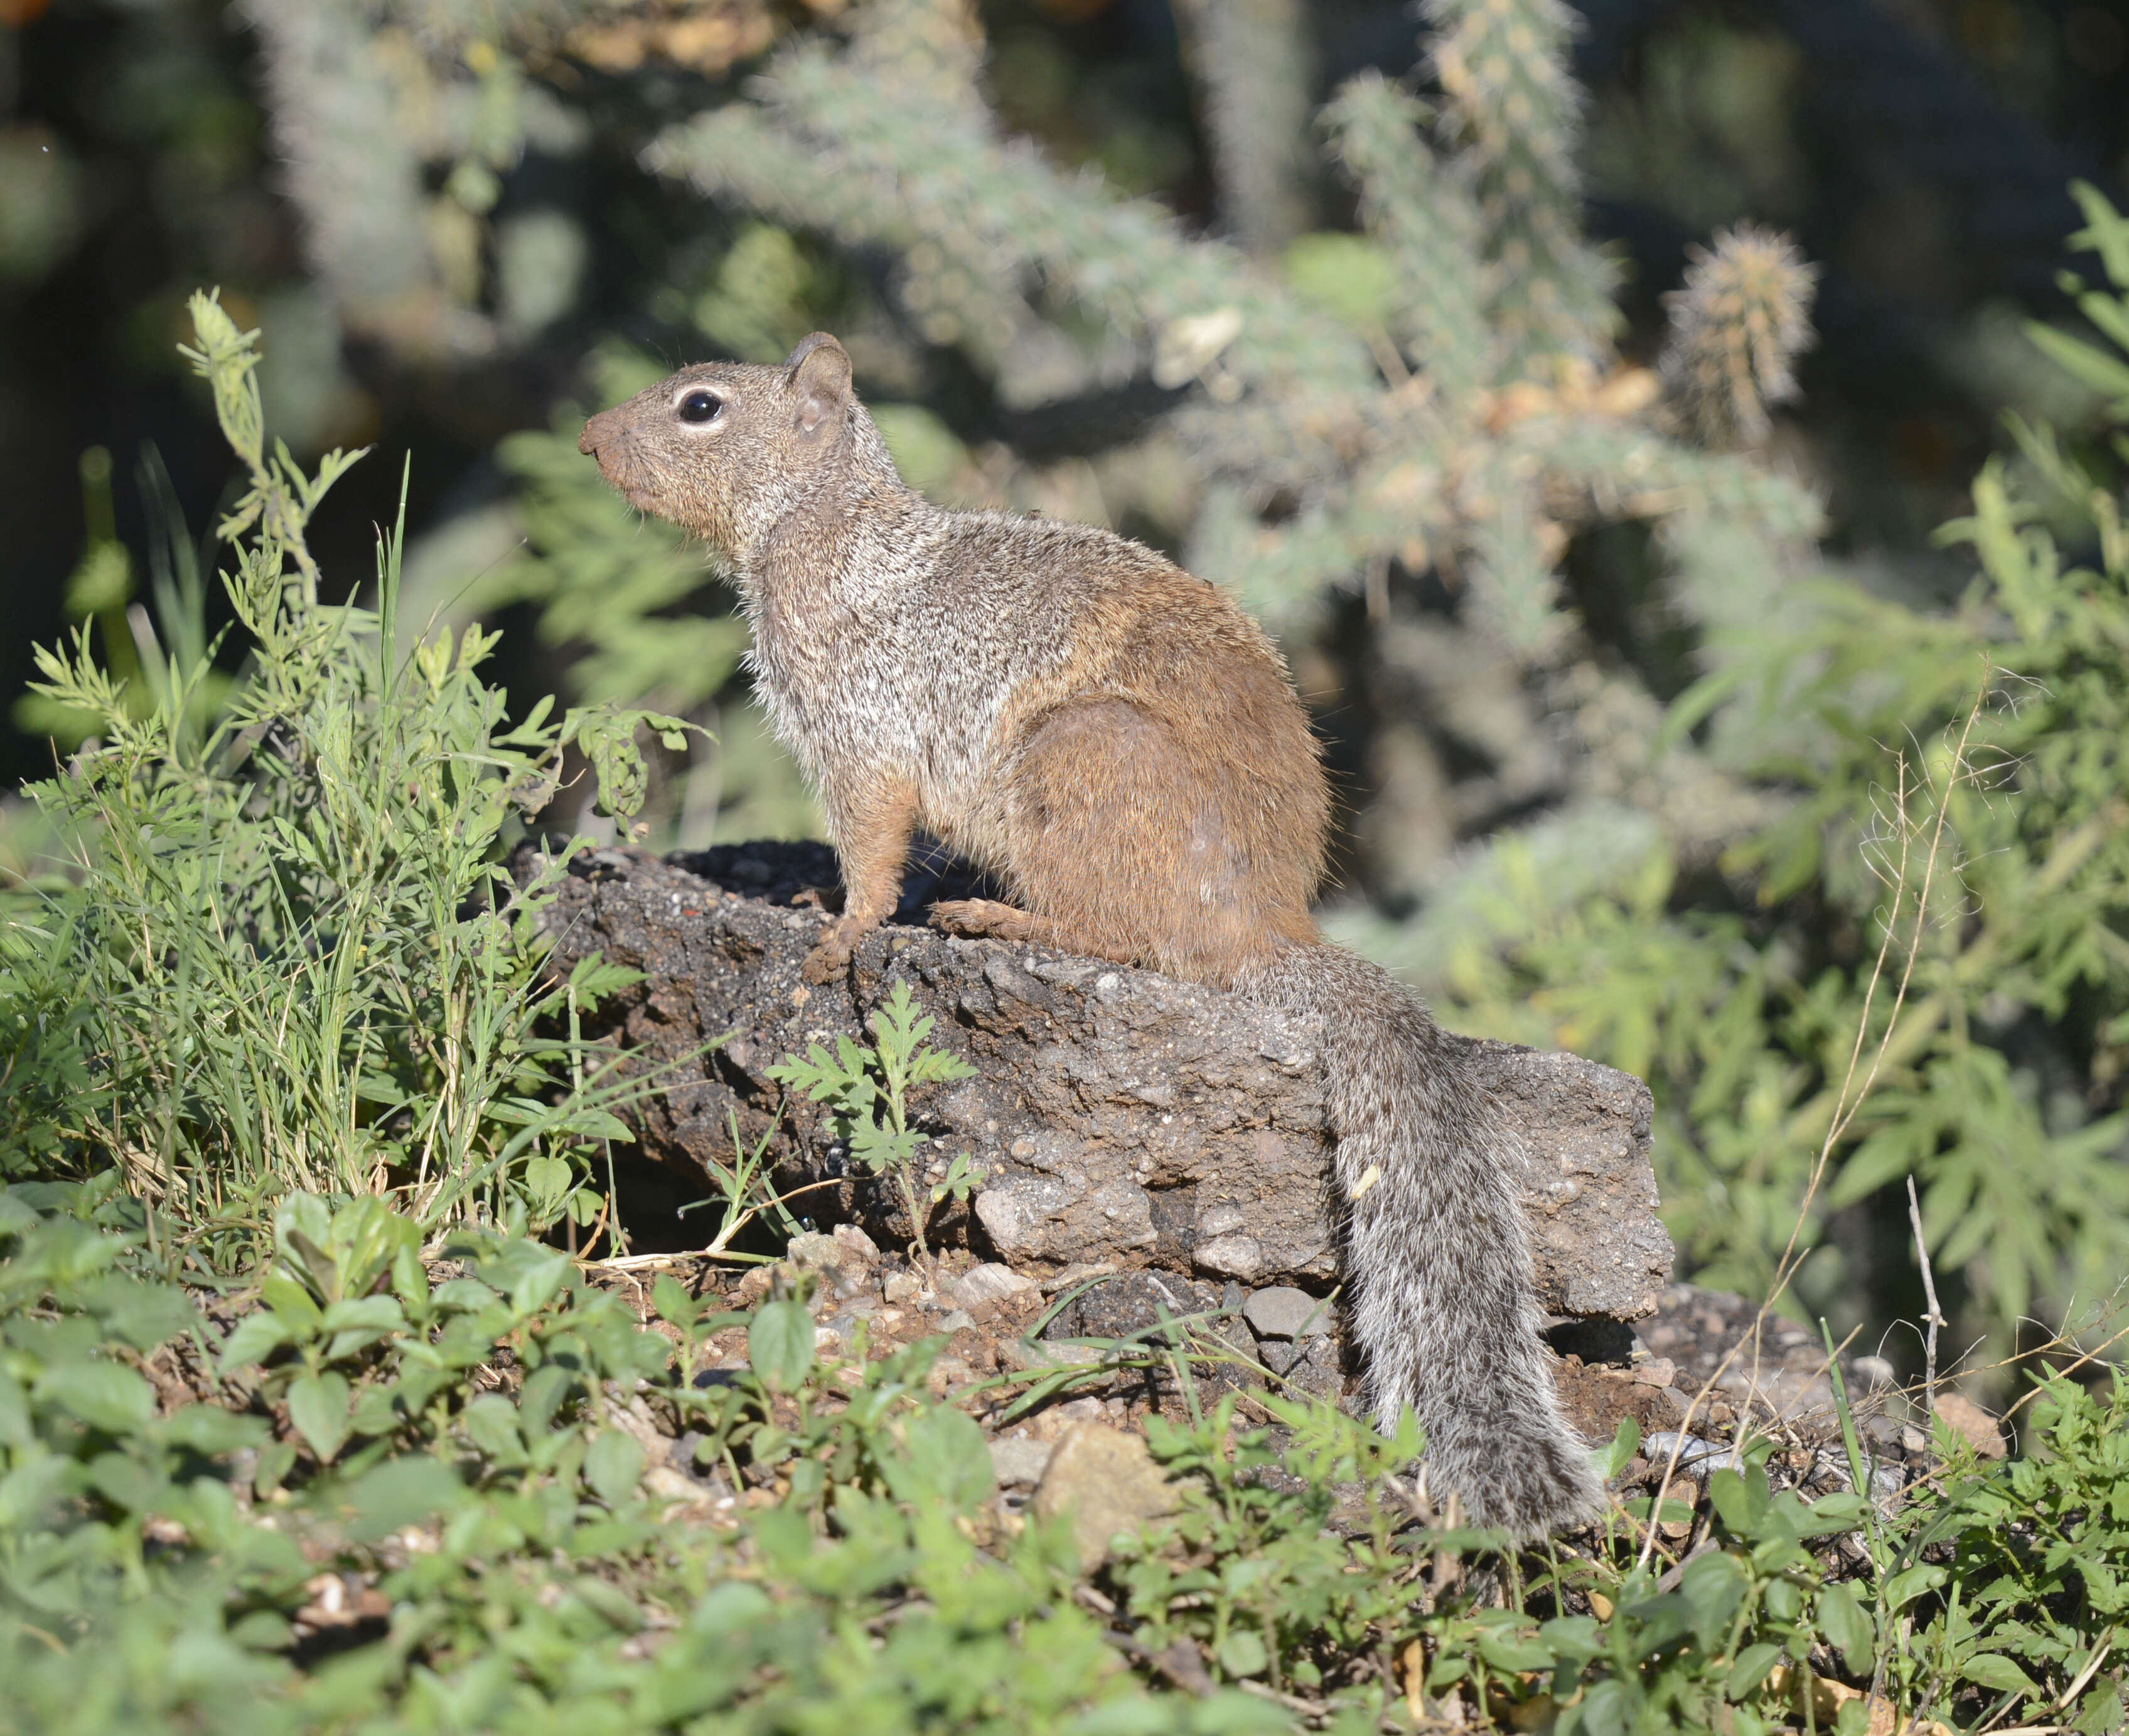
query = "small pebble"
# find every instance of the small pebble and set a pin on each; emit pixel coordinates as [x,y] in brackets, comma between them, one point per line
[1695,1456]
[954,1321]
[1281,1311]
[1658,1372]
[810,1250]
[1019,1464]
[985,1285]
[854,1242]
[902,1286]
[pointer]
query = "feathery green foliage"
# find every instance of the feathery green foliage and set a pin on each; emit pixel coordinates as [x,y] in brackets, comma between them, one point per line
[869,1091]
[2004,718]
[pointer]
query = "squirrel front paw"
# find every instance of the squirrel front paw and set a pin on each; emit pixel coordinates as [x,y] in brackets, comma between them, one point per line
[830,956]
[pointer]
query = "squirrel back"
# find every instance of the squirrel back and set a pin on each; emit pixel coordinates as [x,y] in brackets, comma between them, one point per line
[1117,744]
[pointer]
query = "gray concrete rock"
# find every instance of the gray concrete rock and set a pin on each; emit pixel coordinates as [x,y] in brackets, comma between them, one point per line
[1120,1118]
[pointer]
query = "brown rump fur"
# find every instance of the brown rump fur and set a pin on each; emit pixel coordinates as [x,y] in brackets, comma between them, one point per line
[1117,742]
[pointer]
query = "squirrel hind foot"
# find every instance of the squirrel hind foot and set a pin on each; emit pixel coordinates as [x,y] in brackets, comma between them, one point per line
[977,919]
[987,919]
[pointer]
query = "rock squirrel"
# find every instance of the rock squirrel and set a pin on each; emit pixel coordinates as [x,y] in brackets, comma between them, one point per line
[1117,744]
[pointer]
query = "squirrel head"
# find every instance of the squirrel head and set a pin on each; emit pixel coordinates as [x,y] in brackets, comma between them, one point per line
[727,450]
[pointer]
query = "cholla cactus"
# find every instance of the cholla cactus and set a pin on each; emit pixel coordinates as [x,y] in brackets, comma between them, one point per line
[1736,329]
[1510,104]
[1252,57]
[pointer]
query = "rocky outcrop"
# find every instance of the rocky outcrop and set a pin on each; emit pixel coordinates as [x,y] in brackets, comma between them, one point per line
[1121,1120]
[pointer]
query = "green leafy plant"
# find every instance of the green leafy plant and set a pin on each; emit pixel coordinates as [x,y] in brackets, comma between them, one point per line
[296,956]
[867,1089]
[2012,1589]
[1991,732]
[558,1526]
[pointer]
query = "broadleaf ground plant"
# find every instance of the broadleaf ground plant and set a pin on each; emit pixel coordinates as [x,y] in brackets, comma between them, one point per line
[497,1498]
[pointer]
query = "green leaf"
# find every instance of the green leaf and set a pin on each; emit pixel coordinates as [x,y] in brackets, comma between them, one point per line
[362,1320]
[1754,1665]
[402,1492]
[490,1422]
[951,1458]
[1505,1652]
[126,1483]
[253,1339]
[2094,368]
[613,1466]
[542,1395]
[779,1345]
[16,1430]
[300,1314]
[1992,1670]
[1831,1513]
[1625,1442]
[366,1235]
[673,1304]
[1741,1503]
[1905,1586]
[147,1315]
[1841,1619]
[537,1280]
[1712,1587]
[1242,1653]
[466,1296]
[209,1430]
[98,1393]
[729,1607]
[546,1182]
[1853,1719]
[276,1460]
[318,1406]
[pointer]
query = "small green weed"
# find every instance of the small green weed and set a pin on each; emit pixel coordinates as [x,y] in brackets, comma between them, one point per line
[869,1091]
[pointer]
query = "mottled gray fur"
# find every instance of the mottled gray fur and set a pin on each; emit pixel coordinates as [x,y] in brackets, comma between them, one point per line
[1438,1261]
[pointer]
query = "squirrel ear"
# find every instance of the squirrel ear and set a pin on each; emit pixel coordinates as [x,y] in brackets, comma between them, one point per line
[818,375]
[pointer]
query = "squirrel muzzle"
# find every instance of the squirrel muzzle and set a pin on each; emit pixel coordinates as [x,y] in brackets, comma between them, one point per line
[600,431]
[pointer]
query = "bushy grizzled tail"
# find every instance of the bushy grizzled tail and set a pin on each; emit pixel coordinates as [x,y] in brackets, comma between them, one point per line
[1438,1259]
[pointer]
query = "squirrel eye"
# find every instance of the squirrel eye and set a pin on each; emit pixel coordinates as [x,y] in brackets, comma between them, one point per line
[701,406]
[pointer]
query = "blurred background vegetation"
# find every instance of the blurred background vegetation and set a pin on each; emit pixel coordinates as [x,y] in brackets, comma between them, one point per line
[1408,327]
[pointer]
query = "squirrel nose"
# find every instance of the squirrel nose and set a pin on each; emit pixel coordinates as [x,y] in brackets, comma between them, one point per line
[597,432]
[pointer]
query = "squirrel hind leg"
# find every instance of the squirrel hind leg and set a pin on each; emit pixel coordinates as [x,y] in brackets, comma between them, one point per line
[1119,844]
